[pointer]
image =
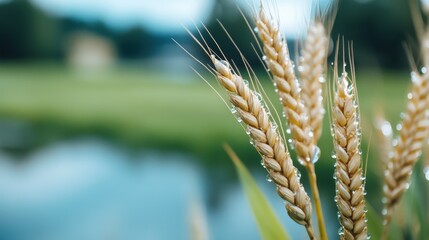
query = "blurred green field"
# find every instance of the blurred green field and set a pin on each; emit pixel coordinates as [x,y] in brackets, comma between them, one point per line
[145,109]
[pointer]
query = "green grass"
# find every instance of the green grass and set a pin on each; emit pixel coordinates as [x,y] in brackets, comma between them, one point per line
[146,109]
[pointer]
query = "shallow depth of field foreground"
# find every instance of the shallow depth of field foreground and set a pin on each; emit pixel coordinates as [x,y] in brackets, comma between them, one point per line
[110,130]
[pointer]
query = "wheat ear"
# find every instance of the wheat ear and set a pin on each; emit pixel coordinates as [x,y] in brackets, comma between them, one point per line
[311,69]
[408,146]
[348,170]
[384,134]
[268,142]
[278,61]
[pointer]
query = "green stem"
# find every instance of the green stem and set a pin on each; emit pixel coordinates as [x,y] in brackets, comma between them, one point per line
[317,202]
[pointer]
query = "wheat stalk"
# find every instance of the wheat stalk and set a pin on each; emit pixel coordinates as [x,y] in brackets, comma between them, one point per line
[311,69]
[408,146]
[348,171]
[268,142]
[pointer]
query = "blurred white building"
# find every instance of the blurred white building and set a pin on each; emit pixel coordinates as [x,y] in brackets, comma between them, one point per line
[88,51]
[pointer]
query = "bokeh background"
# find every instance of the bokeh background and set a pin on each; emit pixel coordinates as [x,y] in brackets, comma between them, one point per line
[107,133]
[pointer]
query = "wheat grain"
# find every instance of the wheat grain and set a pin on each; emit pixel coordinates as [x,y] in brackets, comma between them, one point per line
[348,171]
[311,69]
[408,146]
[278,61]
[268,143]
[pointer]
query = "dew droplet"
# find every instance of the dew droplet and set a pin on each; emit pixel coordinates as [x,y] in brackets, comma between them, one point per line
[233,110]
[322,79]
[298,173]
[269,179]
[264,58]
[398,127]
[386,129]
[415,78]
[350,89]
[274,126]
[248,131]
[426,172]
[409,96]
[246,83]
[334,155]
[358,131]
[340,230]
[316,155]
[424,70]
[407,186]
[256,30]
[225,63]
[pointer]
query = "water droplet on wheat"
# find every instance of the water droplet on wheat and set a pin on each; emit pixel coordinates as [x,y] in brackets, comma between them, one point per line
[233,110]
[399,127]
[386,129]
[414,77]
[340,230]
[246,83]
[426,172]
[384,212]
[316,155]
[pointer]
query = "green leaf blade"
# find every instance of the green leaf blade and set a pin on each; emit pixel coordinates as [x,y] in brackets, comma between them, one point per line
[267,221]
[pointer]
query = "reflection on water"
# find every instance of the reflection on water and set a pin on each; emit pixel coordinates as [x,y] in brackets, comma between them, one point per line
[89,189]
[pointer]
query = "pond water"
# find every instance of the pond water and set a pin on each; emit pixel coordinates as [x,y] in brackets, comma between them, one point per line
[91,189]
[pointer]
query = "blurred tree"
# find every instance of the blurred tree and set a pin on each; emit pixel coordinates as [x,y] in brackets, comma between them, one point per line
[378,29]
[26,32]
[29,33]
[135,43]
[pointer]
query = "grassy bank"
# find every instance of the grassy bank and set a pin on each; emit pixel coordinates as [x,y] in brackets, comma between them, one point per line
[146,109]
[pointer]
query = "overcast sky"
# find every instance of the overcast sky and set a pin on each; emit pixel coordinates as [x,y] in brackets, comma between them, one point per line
[166,15]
